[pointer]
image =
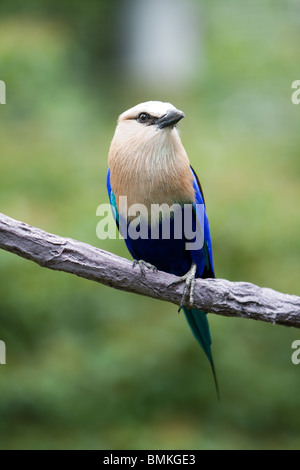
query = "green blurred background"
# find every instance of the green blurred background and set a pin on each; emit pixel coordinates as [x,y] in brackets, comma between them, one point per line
[89,367]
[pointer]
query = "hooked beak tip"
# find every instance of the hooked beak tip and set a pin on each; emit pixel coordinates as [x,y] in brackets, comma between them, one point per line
[170,119]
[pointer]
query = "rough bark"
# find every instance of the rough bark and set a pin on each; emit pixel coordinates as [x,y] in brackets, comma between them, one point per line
[219,296]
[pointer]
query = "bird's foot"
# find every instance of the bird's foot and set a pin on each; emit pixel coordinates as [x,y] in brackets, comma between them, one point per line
[143,264]
[188,291]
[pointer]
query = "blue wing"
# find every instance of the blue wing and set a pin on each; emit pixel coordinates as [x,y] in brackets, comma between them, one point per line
[203,258]
[112,198]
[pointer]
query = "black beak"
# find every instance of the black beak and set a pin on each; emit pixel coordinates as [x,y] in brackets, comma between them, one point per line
[170,119]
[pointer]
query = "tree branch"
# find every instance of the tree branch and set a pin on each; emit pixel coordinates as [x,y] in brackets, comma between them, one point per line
[236,299]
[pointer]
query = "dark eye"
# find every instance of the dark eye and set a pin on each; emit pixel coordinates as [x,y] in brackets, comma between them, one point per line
[143,117]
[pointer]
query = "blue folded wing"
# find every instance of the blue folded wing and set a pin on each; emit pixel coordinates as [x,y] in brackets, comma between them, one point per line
[112,198]
[203,257]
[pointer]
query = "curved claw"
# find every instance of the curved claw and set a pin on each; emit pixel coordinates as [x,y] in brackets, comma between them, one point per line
[188,291]
[143,264]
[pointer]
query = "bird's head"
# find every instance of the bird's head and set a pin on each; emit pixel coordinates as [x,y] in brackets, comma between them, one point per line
[157,114]
[147,130]
[147,160]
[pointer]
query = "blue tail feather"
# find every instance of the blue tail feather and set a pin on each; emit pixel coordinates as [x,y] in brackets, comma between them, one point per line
[199,325]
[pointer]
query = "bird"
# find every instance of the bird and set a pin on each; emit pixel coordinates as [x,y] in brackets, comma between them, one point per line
[148,168]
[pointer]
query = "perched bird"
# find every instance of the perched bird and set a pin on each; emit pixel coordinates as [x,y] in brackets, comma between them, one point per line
[148,166]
